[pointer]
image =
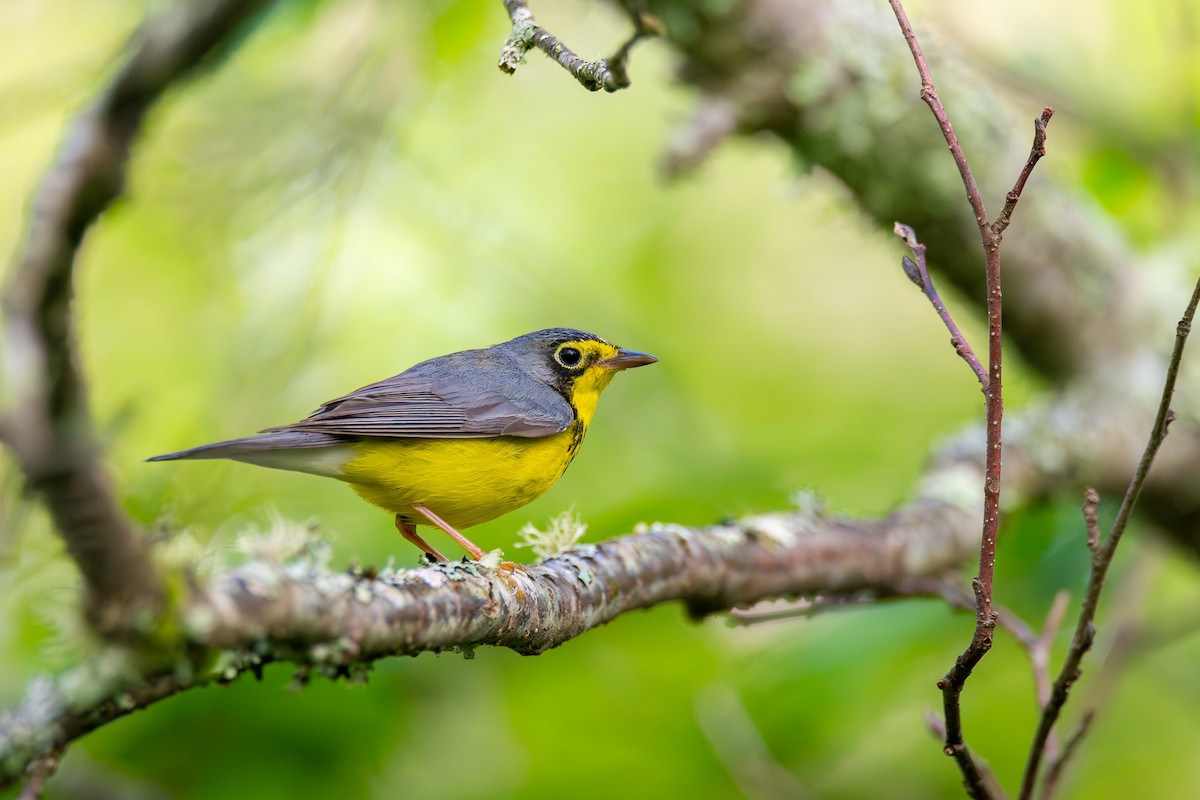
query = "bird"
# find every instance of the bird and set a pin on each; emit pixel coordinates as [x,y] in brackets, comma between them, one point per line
[454,441]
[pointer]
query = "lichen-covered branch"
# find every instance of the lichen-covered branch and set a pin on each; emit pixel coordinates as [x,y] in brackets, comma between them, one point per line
[339,622]
[610,74]
[45,418]
[297,610]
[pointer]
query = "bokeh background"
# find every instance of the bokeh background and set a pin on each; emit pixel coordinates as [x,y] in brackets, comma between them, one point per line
[359,188]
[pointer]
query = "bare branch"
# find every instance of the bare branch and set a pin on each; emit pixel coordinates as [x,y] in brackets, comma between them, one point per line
[1035,155]
[46,420]
[990,236]
[1040,651]
[1102,557]
[917,272]
[1058,763]
[985,616]
[817,75]
[930,96]
[1082,305]
[610,74]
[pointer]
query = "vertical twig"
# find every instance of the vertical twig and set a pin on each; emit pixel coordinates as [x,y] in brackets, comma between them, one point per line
[990,234]
[985,617]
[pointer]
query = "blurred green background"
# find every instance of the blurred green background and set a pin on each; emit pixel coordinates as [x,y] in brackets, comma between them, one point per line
[359,188]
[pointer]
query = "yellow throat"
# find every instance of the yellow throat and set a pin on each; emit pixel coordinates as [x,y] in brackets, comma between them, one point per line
[471,481]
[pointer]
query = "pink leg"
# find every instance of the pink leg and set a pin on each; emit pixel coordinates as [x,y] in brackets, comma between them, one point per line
[409,532]
[475,550]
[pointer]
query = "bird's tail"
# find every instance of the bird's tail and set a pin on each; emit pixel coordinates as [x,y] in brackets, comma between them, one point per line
[298,451]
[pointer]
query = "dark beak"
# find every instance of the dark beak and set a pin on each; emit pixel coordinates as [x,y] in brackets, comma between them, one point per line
[628,359]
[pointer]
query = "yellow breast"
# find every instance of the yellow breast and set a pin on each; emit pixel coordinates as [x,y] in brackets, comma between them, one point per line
[464,481]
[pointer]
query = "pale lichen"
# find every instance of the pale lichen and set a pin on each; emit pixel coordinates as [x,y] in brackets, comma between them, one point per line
[563,533]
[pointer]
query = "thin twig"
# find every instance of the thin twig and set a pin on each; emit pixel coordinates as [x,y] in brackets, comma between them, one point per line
[1040,652]
[985,616]
[1102,557]
[1091,519]
[610,74]
[930,96]
[48,424]
[1054,767]
[1035,155]
[990,235]
[1036,645]
[1039,657]
[918,273]
[936,725]
[957,597]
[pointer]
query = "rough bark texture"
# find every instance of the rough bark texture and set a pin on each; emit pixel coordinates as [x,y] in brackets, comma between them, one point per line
[830,78]
[299,611]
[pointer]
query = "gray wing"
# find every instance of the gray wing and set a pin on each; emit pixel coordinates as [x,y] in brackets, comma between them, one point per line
[460,396]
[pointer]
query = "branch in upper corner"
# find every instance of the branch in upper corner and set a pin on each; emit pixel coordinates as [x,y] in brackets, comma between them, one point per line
[918,273]
[47,424]
[610,74]
[1102,556]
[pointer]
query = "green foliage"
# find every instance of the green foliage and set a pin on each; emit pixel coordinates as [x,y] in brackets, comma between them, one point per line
[359,188]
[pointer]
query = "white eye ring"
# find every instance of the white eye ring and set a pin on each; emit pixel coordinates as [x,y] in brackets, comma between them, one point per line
[569,357]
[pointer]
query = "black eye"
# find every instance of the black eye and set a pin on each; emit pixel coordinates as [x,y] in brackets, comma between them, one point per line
[568,356]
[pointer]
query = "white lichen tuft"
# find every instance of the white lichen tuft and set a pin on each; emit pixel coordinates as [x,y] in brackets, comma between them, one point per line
[563,533]
[808,502]
[182,551]
[286,542]
[491,559]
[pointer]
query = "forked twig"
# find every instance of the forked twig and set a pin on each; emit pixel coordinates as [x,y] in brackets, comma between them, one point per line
[990,234]
[918,273]
[1035,155]
[1102,557]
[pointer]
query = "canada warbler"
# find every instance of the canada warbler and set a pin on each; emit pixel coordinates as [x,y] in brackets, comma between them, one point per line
[456,440]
